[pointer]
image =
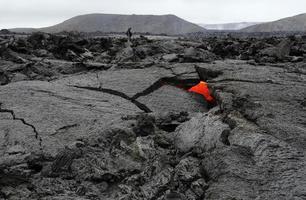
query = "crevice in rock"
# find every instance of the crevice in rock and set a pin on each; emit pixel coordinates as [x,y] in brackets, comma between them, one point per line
[174,81]
[119,94]
[224,137]
[64,128]
[23,121]
[11,180]
[4,78]
[169,127]
[35,167]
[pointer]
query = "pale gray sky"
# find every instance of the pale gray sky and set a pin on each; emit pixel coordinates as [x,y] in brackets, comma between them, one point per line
[40,13]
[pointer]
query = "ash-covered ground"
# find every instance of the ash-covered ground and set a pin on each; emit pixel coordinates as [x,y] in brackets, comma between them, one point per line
[101,118]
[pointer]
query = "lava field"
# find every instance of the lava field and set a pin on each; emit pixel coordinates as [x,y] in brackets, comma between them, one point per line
[210,118]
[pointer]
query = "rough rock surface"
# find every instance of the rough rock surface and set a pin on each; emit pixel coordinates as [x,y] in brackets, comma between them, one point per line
[263,105]
[91,122]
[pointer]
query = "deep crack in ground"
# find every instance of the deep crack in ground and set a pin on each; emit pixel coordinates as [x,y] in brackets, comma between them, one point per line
[23,121]
[119,94]
[174,81]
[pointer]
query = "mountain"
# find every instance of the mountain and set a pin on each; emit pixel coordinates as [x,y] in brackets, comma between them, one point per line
[291,24]
[228,26]
[155,24]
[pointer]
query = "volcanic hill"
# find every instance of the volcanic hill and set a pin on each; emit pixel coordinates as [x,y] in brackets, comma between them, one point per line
[154,24]
[290,24]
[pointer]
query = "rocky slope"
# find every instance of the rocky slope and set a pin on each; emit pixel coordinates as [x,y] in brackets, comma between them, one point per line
[101,118]
[154,24]
[291,24]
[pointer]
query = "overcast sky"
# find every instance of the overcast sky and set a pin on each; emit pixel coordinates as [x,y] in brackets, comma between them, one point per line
[40,13]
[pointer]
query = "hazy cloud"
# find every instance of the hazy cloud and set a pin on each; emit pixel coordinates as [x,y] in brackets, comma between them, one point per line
[39,13]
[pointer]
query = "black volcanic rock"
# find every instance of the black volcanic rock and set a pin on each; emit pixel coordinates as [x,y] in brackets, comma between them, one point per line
[91,118]
[259,139]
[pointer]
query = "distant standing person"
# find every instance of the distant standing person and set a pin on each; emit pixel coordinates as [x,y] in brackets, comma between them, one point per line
[129,34]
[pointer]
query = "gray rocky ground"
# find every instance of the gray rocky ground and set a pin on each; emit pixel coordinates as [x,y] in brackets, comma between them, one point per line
[100,119]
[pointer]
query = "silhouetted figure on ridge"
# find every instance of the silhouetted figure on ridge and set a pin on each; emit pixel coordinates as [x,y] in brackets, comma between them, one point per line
[129,34]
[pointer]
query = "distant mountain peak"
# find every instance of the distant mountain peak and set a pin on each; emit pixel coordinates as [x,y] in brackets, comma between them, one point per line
[296,23]
[155,24]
